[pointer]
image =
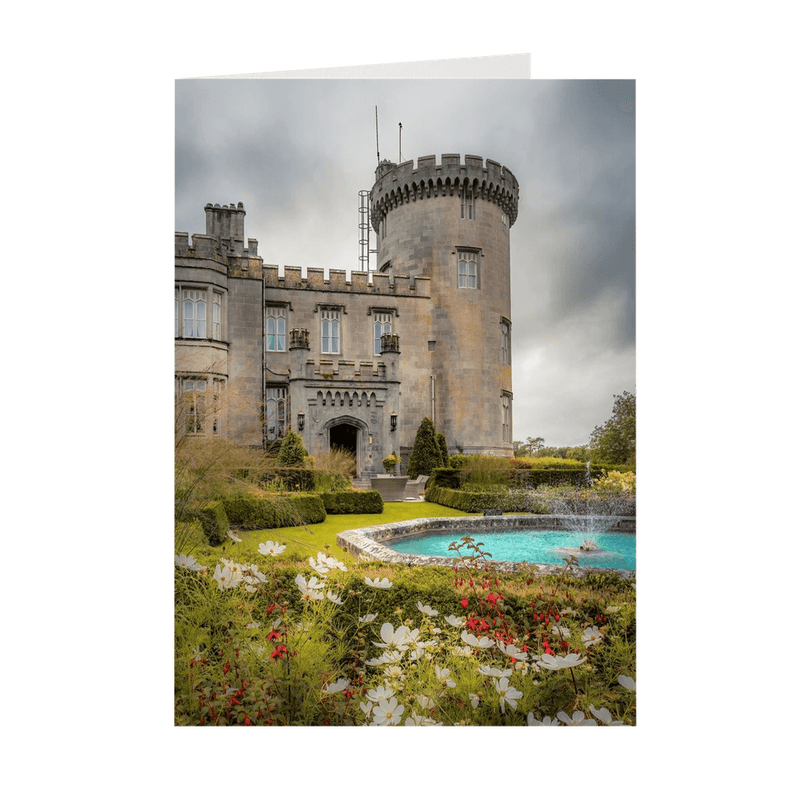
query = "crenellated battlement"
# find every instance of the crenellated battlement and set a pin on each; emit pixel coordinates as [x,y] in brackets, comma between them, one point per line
[239,261]
[382,284]
[397,184]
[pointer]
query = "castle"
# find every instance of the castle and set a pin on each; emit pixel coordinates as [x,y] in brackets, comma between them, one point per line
[358,364]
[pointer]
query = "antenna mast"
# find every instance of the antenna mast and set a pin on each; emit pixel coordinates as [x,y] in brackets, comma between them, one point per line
[400,144]
[377,146]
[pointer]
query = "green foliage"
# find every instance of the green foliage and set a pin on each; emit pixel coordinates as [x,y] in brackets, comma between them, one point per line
[442,443]
[251,511]
[292,452]
[215,521]
[352,502]
[481,472]
[475,502]
[390,463]
[615,441]
[426,455]
[326,481]
[445,476]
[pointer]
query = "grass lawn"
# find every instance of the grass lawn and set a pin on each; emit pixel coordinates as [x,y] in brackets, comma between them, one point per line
[305,541]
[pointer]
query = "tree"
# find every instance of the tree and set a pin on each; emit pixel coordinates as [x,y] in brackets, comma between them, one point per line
[442,442]
[425,453]
[615,441]
[293,452]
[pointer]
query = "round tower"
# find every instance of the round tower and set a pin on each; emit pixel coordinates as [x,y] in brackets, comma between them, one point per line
[450,222]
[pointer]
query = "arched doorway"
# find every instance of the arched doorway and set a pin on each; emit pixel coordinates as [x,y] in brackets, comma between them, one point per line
[345,437]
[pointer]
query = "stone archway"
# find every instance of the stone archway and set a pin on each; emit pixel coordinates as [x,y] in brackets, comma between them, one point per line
[348,433]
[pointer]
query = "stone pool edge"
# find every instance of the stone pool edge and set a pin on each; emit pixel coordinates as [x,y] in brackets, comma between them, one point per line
[367,543]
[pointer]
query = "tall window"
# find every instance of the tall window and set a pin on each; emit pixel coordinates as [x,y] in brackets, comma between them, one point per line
[506,419]
[505,342]
[216,316]
[194,313]
[330,330]
[198,405]
[192,318]
[276,328]
[467,204]
[467,269]
[381,325]
[275,413]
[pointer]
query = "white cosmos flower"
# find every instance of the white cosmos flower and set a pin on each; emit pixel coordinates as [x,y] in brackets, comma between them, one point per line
[418,719]
[188,562]
[475,700]
[545,721]
[508,694]
[393,671]
[320,567]
[393,638]
[330,562]
[427,610]
[512,652]
[494,672]
[271,548]
[612,609]
[456,622]
[560,630]
[484,642]
[604,715]
[379,693]
[310,589]
[388,712]
[591,636]
[366,708]
[560,662]
[444,676]
[339,686]
[226,577]
[462,651]
[367,618]
[235,536]
[334,598]
[627,682]
[424,701]
[379,583]
[578,718]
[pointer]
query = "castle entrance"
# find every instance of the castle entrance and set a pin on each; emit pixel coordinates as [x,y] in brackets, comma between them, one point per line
[345,437]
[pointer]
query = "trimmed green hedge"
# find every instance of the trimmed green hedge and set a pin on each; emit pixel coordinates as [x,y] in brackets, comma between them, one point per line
[477,502]
[215,522]
[252,512]
[352,502]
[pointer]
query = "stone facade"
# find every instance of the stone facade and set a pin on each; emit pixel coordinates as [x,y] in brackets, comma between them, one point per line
[359,363]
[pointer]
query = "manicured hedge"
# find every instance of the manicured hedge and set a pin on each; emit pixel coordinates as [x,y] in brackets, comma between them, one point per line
[352,502]
[252,512]
[215,522]
[447,477]
[477,502]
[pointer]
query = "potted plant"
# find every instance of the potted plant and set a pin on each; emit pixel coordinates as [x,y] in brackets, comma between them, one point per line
[390,463]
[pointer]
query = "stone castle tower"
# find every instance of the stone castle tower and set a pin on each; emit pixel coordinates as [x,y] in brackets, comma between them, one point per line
[450,222]
[358,363]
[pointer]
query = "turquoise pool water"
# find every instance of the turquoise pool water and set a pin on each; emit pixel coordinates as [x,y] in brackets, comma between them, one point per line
[536,547]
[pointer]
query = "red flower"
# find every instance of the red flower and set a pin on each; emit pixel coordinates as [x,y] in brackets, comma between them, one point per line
[464,601]
[273,635]
[247,720]
[491,598]
[226,667]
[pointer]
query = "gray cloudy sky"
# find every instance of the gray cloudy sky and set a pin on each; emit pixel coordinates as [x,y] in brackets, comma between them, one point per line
[296,153]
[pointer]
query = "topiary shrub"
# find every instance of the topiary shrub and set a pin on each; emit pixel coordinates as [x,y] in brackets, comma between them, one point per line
[352,502]
[292,453]
[425,454]
[215,522]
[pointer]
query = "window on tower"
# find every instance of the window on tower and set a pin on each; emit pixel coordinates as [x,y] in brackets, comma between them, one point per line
[276,328]
[382,323]
[331,330]
[506,418]
[467,203]
[192,317]
[467,269]
[505,341]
